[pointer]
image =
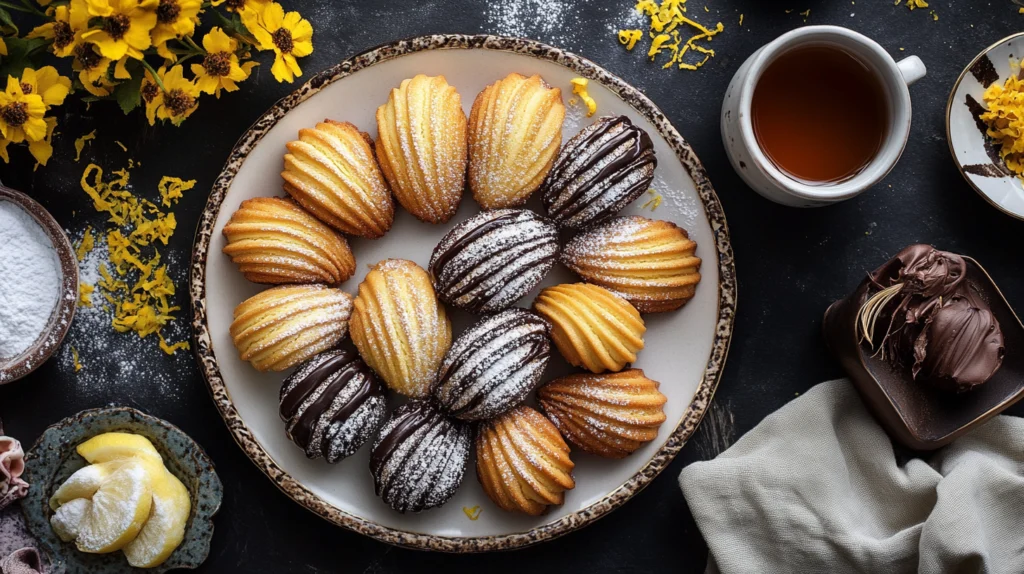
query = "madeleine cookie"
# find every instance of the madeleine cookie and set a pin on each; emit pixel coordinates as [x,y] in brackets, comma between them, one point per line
[399,326]
[332,404]
[522,462]
[490,261]
[592,327]
[650,263]
[419,459]
[422,147]
[281,327]
[601,170]
[273,240]
[494,365]
[330,171]
[610,415]
[515,129]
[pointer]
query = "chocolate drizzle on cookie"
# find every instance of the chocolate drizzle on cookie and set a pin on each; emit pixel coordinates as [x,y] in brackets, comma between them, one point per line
[494,365]
[490,261]
[420,457]
[601,170]
[332,405]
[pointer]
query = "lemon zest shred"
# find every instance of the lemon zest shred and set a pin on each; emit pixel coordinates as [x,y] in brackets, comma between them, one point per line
[85,294]
[579,87]
[80,143]
[629,38]
[122,146]
[1005,120]
[665,22]
[74,359]
[86,244]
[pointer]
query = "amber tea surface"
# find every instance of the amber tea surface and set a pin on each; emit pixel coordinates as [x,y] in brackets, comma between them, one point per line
[820,114]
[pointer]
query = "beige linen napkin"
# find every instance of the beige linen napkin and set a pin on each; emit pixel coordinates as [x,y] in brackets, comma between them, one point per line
[817,487]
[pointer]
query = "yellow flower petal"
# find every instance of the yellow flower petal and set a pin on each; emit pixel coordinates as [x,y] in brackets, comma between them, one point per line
[280,70]
[273,16]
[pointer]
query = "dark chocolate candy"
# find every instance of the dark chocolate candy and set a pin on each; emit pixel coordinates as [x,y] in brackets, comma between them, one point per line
[419,458]
[960,346]
[601,170]
[488,262]
[494,365]
[332,404]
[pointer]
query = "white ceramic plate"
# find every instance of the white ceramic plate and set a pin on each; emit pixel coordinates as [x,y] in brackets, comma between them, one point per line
[975,157]
[685,349]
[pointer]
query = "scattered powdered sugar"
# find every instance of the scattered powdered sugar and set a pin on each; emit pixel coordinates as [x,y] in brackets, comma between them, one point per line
[561,22]
[30,280]
[67,520]
[114,506]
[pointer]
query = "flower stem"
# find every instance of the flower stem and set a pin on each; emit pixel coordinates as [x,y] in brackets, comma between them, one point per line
[190,42]
[156,77]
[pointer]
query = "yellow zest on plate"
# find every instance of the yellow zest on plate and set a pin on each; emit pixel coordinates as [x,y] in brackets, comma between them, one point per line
[1005,120]
[579,87]
[472,512]
[133,282]
[654,202]
[669,25]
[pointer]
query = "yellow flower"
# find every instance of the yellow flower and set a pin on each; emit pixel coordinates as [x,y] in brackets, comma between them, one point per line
[220,68]
[125,26]
[176,101]
[43,149]
[152,95]
[51,86]
[239,5]
[21,114]
[92,70]
[174,19]
[288,35]
[65,30]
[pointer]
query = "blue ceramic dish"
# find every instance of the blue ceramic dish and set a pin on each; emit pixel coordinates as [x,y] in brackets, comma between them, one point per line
[53,459]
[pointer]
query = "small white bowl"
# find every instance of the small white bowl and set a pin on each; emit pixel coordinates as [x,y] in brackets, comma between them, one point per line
[64,311]
[976,158]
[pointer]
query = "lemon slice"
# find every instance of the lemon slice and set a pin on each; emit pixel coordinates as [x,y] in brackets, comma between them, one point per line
[84,482]
[119,509]
[165,528]
[118,446]
[67,521]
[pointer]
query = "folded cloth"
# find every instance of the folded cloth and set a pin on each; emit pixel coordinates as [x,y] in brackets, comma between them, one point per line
[12,464]
[24,561]
[817,487]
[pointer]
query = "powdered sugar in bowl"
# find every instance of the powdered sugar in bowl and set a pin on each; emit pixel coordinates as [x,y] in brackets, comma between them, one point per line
[38,285]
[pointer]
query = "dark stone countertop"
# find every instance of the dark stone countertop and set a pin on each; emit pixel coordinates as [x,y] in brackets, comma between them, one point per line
[791,263]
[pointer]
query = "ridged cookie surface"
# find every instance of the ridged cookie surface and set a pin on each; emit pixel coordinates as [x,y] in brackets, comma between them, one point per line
[515,130]
[650,263]
[330,170]
[399,326]
[592,327]
[522,462]
[610,415]
[422,147]
[281,327]
[273,240]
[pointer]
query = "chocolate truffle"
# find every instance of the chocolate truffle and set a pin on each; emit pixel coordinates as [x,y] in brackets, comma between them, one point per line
[494,365]
[332,404]
[420,457]
[601,170]
[960,346]
[488,262]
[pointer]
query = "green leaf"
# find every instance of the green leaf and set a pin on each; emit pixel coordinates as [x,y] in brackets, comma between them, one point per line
[129,93]
[21,54]
[7,23]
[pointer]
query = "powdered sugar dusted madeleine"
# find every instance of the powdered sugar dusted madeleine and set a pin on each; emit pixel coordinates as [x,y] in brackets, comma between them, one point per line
[422,147]
[399,327]
[610,415]
[282,327]
[515,129]
[522,462]
[592,327]
[275,241]
[650,263]
[330,171]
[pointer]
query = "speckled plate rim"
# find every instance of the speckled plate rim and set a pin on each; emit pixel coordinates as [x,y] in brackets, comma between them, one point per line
[949,129]
[64,312]
[685,427]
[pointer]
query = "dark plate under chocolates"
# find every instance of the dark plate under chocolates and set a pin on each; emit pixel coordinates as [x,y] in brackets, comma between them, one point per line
[915,413]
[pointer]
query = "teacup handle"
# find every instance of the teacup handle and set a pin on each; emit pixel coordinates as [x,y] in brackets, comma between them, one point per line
[912,69]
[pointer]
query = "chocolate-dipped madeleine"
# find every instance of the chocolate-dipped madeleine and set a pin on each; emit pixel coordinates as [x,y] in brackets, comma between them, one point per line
[488,262]
[419,459]
[494,365]
[599,171]
[332,404]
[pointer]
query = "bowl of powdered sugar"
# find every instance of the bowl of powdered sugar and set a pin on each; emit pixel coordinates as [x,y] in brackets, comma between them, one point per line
[38,285]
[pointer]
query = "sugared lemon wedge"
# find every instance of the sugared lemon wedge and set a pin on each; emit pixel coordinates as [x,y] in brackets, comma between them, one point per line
[67,521]
[84,482]
[119,508]
[165,528]
[118,446]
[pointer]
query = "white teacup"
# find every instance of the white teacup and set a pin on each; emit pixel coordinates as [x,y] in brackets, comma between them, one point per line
[754,166]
